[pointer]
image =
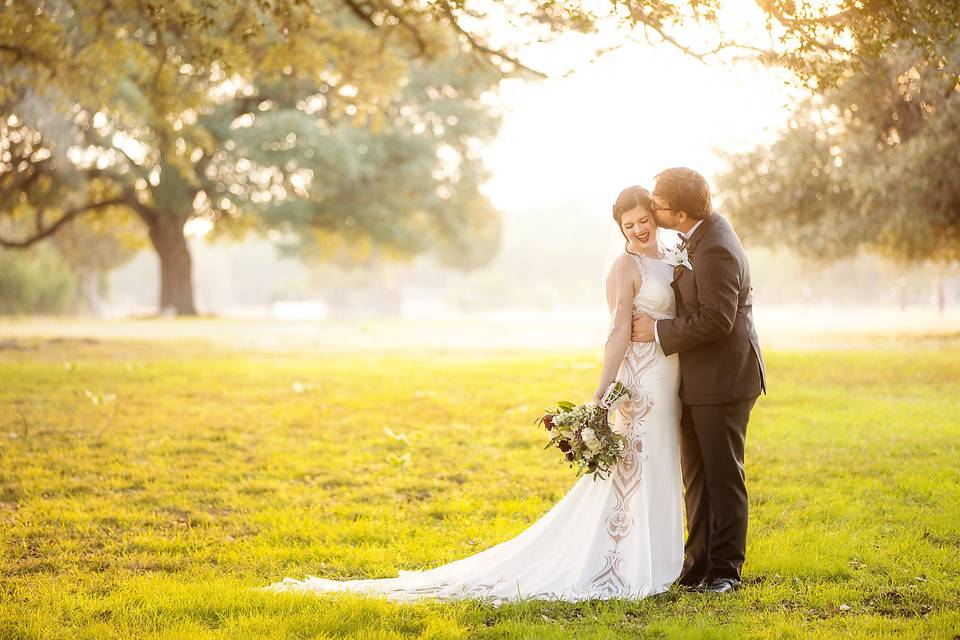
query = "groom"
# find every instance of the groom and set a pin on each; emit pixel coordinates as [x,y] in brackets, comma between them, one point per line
[721,376]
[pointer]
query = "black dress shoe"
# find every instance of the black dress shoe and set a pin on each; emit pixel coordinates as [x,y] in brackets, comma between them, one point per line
[691,582]
[687,585]
[721,585]
[701,586]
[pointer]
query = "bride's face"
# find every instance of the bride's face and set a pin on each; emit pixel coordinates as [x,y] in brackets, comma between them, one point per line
[639,228]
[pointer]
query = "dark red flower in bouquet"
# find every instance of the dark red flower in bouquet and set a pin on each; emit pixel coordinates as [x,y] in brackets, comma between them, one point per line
[548,421]
[564,445]
[570,456]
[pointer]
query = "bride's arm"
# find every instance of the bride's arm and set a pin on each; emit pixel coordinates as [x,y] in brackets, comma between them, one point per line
[621,287]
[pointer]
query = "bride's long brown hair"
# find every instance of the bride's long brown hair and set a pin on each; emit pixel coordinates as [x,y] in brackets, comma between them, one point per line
[629,199]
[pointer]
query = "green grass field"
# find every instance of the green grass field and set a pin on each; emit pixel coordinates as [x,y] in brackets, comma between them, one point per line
[146,487]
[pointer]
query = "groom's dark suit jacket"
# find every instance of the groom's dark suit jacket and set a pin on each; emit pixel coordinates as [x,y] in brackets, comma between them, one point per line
[720,359]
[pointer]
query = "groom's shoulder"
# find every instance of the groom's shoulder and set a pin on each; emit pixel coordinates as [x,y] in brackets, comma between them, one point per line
[721,237]
[721,230]
[719,223]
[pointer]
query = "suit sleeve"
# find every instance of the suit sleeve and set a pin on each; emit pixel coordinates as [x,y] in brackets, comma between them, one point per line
[717,276]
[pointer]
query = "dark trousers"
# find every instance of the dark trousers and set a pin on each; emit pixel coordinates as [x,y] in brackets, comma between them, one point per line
[715,492]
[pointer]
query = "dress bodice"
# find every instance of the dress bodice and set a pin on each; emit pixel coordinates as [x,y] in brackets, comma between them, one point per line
[655,297]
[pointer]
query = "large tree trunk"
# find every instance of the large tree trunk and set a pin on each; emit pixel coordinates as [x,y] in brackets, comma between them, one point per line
[90,290]
[176,274]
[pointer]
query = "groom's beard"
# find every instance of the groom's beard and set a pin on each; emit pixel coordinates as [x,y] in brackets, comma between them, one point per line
[664,222]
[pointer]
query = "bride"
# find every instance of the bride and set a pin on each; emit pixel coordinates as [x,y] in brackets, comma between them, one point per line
[616,538]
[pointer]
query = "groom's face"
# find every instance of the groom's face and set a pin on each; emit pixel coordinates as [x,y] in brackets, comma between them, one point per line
[663,214]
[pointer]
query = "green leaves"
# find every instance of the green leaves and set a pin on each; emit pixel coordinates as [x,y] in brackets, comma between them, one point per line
[870,164]
[284,116]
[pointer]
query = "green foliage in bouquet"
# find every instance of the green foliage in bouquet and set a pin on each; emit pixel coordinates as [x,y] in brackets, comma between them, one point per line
[584,435]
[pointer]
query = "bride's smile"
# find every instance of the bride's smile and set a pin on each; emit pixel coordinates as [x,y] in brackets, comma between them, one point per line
[640,230]
[634,216]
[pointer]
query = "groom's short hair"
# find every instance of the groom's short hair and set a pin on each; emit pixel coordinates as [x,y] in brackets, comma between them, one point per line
[684,190]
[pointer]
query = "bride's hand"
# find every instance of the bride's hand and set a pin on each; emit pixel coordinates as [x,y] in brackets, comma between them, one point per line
[598,395]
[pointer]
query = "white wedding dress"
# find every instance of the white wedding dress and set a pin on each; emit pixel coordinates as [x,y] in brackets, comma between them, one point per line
[616,538]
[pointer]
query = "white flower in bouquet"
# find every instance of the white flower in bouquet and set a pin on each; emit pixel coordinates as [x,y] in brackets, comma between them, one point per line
[589,437]
[584,434]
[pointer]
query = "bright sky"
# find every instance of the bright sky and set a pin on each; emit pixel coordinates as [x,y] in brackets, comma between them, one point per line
[619,121]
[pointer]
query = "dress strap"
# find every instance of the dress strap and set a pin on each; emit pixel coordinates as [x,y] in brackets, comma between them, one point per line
[639,261]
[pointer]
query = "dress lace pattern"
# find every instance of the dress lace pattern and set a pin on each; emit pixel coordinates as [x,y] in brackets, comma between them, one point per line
[628,475]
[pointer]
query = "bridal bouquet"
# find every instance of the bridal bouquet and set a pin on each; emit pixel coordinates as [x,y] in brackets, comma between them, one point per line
[584,434]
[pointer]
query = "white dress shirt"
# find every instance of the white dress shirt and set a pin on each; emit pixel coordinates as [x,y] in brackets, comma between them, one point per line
[686,236]
[689,234]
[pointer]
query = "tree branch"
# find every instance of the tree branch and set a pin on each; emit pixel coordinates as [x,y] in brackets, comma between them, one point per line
[21,53]
[65,218]
[479,46]
[356,10]
[411,29]
[795,26]
[20,186]
[652,24]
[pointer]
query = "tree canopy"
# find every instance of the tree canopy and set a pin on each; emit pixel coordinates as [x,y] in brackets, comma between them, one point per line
[825,42]
[290,117]
[356,119]
[871,164]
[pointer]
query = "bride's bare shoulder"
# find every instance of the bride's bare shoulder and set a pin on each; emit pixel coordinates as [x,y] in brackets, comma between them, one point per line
[623,269]
[625,263]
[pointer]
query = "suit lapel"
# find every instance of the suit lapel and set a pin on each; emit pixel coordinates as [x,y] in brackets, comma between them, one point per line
[692,244]
[698,234]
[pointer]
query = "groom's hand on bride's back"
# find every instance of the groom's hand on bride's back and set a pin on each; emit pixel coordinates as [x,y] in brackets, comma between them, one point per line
[642,330]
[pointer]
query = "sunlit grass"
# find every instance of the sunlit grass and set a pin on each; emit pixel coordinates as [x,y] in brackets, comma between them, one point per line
[151,515]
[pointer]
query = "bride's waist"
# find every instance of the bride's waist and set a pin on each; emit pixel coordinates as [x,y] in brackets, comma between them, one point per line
[646,350]
[656,314]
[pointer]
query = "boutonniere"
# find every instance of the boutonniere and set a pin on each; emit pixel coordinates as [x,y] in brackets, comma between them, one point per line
[677,257]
